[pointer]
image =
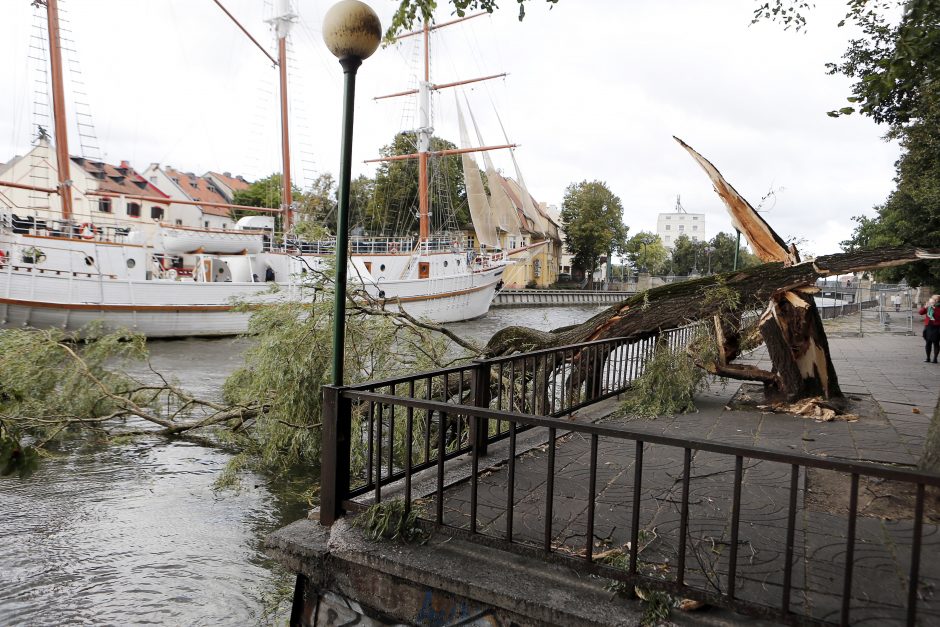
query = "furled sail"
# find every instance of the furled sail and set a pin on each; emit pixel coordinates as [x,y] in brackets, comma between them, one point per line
[507,218]
[528,206]
[484,222]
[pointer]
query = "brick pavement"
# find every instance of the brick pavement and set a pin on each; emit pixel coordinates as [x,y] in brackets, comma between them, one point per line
[887,367]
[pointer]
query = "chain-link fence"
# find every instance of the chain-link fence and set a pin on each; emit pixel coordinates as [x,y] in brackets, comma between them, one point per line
[867,309]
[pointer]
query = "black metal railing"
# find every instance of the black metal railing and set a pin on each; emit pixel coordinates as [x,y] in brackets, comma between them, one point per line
[550,382]
[381,438]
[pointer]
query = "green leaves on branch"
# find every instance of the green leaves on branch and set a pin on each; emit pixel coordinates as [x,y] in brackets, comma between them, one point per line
[892,62]
[46,375]
[667,386]
[410,13]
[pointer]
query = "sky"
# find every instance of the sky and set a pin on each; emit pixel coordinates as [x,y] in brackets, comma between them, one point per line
[595,91]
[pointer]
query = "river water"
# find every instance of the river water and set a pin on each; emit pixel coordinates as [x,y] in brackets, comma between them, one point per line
[136,534]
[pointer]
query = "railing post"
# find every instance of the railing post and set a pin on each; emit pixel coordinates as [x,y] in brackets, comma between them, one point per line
[334,454]
[481,398]
[596,370]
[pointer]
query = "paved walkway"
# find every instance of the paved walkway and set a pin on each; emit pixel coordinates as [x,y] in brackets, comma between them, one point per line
[895,394]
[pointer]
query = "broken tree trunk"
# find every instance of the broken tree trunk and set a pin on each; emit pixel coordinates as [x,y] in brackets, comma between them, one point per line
[789,322]
[781,289]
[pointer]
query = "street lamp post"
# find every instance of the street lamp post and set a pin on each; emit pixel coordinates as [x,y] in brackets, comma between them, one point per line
[352,32]
[737,246]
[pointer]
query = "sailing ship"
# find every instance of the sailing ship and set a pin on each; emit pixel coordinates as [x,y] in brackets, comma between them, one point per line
[171,280]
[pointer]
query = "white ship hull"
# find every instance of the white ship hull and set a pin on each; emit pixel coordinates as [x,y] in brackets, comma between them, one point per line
[63,291]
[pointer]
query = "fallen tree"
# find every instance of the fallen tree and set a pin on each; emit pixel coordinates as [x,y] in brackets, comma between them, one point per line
[788,322]
[780,292]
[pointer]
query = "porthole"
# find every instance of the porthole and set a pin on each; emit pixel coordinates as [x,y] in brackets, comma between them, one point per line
[445,263]
[382,268]
[131,263]
[89,261]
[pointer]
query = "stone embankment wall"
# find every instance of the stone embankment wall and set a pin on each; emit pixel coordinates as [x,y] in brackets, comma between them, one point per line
[556,298]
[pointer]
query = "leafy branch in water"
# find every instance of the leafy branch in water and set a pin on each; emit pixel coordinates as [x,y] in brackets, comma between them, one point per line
[53,383]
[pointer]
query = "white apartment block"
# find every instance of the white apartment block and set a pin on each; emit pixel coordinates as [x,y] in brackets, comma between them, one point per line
[669,226]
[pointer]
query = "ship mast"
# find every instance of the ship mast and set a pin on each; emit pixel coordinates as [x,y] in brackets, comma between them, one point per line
[424,138]
[283,21]
[425,131]
[58,110]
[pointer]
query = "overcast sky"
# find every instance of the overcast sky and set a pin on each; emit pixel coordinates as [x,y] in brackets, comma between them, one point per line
[596,90]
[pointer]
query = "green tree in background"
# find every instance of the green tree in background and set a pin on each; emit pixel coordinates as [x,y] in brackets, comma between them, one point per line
[319,202]
[911,214]
[264,192]
[895,66]
[361,199]
[722,255]
[592,217]
[394,209]
[646,252]
[715,255]
[686,255]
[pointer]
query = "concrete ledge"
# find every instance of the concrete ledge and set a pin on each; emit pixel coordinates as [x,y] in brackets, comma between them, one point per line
[446,578]
[448,581]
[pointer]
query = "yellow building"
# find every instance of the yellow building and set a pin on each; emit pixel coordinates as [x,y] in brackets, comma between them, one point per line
[538,246]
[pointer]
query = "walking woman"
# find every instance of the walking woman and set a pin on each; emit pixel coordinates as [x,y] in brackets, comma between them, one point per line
[931,314]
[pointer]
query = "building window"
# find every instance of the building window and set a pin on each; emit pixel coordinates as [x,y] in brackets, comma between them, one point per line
[681,228]
[669,217]
[694,238]
[104,205]
[667,239]
[695,227]
[695,217]
[153,179]
[133,209]
[471,243]
[156,213]
[668,227]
